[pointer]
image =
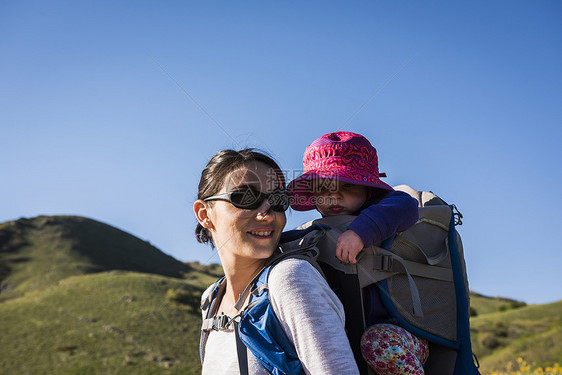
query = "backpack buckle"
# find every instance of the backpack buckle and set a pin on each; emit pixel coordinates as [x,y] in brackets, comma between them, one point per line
[385,264]
[457,215]
[215,324]
[220,322]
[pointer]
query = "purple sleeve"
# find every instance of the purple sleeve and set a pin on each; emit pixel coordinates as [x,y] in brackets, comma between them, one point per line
[394,213]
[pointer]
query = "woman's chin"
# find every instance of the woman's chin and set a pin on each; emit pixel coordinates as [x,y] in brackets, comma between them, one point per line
[263,246]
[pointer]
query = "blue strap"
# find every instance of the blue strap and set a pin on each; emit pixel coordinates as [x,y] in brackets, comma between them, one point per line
[465,362]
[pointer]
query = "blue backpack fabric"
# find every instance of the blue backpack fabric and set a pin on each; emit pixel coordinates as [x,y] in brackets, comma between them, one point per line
[260,331]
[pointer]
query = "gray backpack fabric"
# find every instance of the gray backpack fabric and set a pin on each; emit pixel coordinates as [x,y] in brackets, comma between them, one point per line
[421,275]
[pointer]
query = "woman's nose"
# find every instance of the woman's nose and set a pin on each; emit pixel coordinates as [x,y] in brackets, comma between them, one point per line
[265,213]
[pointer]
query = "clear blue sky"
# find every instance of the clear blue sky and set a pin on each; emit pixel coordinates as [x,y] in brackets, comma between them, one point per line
[110,110]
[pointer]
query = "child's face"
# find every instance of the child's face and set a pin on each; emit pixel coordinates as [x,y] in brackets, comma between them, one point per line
[334,198]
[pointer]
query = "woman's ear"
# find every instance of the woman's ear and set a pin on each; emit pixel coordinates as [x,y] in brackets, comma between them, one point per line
[202,213]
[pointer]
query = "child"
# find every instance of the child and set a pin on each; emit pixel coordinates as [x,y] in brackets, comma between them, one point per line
[341,177]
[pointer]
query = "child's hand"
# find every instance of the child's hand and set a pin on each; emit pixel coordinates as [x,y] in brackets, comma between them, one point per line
[348,246]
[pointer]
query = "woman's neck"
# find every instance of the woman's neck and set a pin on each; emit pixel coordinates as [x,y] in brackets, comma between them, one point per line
[238,276]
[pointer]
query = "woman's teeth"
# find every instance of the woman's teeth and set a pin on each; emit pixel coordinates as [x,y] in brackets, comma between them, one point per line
[262,234]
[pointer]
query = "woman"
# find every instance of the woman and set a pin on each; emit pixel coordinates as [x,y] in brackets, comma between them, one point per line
[240,210]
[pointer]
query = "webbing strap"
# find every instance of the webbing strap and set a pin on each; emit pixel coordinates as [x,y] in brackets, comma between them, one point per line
[354,315]
[347,289]
[244,295]
[242,352]
[416,300]
[431,260]
[386,263]
[433,222]
[397,264]
[258,290]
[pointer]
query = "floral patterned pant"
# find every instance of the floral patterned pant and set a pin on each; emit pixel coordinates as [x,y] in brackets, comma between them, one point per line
[390,349]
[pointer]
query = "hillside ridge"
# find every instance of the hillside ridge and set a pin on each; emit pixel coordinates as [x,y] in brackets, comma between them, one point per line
[35,252]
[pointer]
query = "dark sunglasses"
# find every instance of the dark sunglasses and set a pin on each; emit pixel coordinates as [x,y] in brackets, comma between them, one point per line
[250,198]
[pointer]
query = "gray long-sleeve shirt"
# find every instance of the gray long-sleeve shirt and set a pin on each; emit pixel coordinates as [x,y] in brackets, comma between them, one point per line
[310,314]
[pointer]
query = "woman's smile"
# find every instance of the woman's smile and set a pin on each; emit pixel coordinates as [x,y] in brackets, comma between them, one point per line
[262,233]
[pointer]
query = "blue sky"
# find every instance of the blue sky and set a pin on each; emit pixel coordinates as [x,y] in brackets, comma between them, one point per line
[110,110]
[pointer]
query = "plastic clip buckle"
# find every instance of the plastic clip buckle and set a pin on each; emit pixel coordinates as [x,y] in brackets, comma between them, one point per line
[220,322]
[457,214]
[386,263]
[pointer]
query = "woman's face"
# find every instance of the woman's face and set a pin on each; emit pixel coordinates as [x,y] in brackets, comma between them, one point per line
[246,233]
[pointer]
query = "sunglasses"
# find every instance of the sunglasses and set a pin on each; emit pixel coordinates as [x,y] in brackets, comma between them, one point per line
[250,198]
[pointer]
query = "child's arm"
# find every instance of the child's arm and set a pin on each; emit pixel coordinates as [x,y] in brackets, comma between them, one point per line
[348,246]
[394,213]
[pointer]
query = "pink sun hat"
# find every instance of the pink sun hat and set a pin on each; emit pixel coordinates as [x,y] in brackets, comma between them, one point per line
[341,156]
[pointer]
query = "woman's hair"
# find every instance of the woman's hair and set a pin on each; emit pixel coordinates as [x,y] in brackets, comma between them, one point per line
[218,168]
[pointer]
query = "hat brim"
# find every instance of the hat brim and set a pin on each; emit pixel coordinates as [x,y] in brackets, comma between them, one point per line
[302,197]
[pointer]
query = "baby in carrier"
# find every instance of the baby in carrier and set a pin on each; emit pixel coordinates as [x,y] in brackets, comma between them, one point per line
[342,178]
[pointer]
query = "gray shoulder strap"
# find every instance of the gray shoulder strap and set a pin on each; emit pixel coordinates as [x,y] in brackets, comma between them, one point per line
[208,308]
[242,352]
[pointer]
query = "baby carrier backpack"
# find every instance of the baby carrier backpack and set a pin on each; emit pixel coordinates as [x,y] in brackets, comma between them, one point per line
[420,274]
[421,278]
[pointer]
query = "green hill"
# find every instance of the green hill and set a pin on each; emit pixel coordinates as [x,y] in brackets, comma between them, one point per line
[481,304]
[532,332]
[81,297]
[104,323]
[504,330]
[40,251]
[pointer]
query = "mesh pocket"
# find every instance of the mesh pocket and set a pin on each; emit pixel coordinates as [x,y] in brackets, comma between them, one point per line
[438,304]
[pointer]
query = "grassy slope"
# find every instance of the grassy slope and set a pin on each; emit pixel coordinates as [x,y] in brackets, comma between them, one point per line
[485,305]
[104,323]
[62,309]
[532,332]
[37,252]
